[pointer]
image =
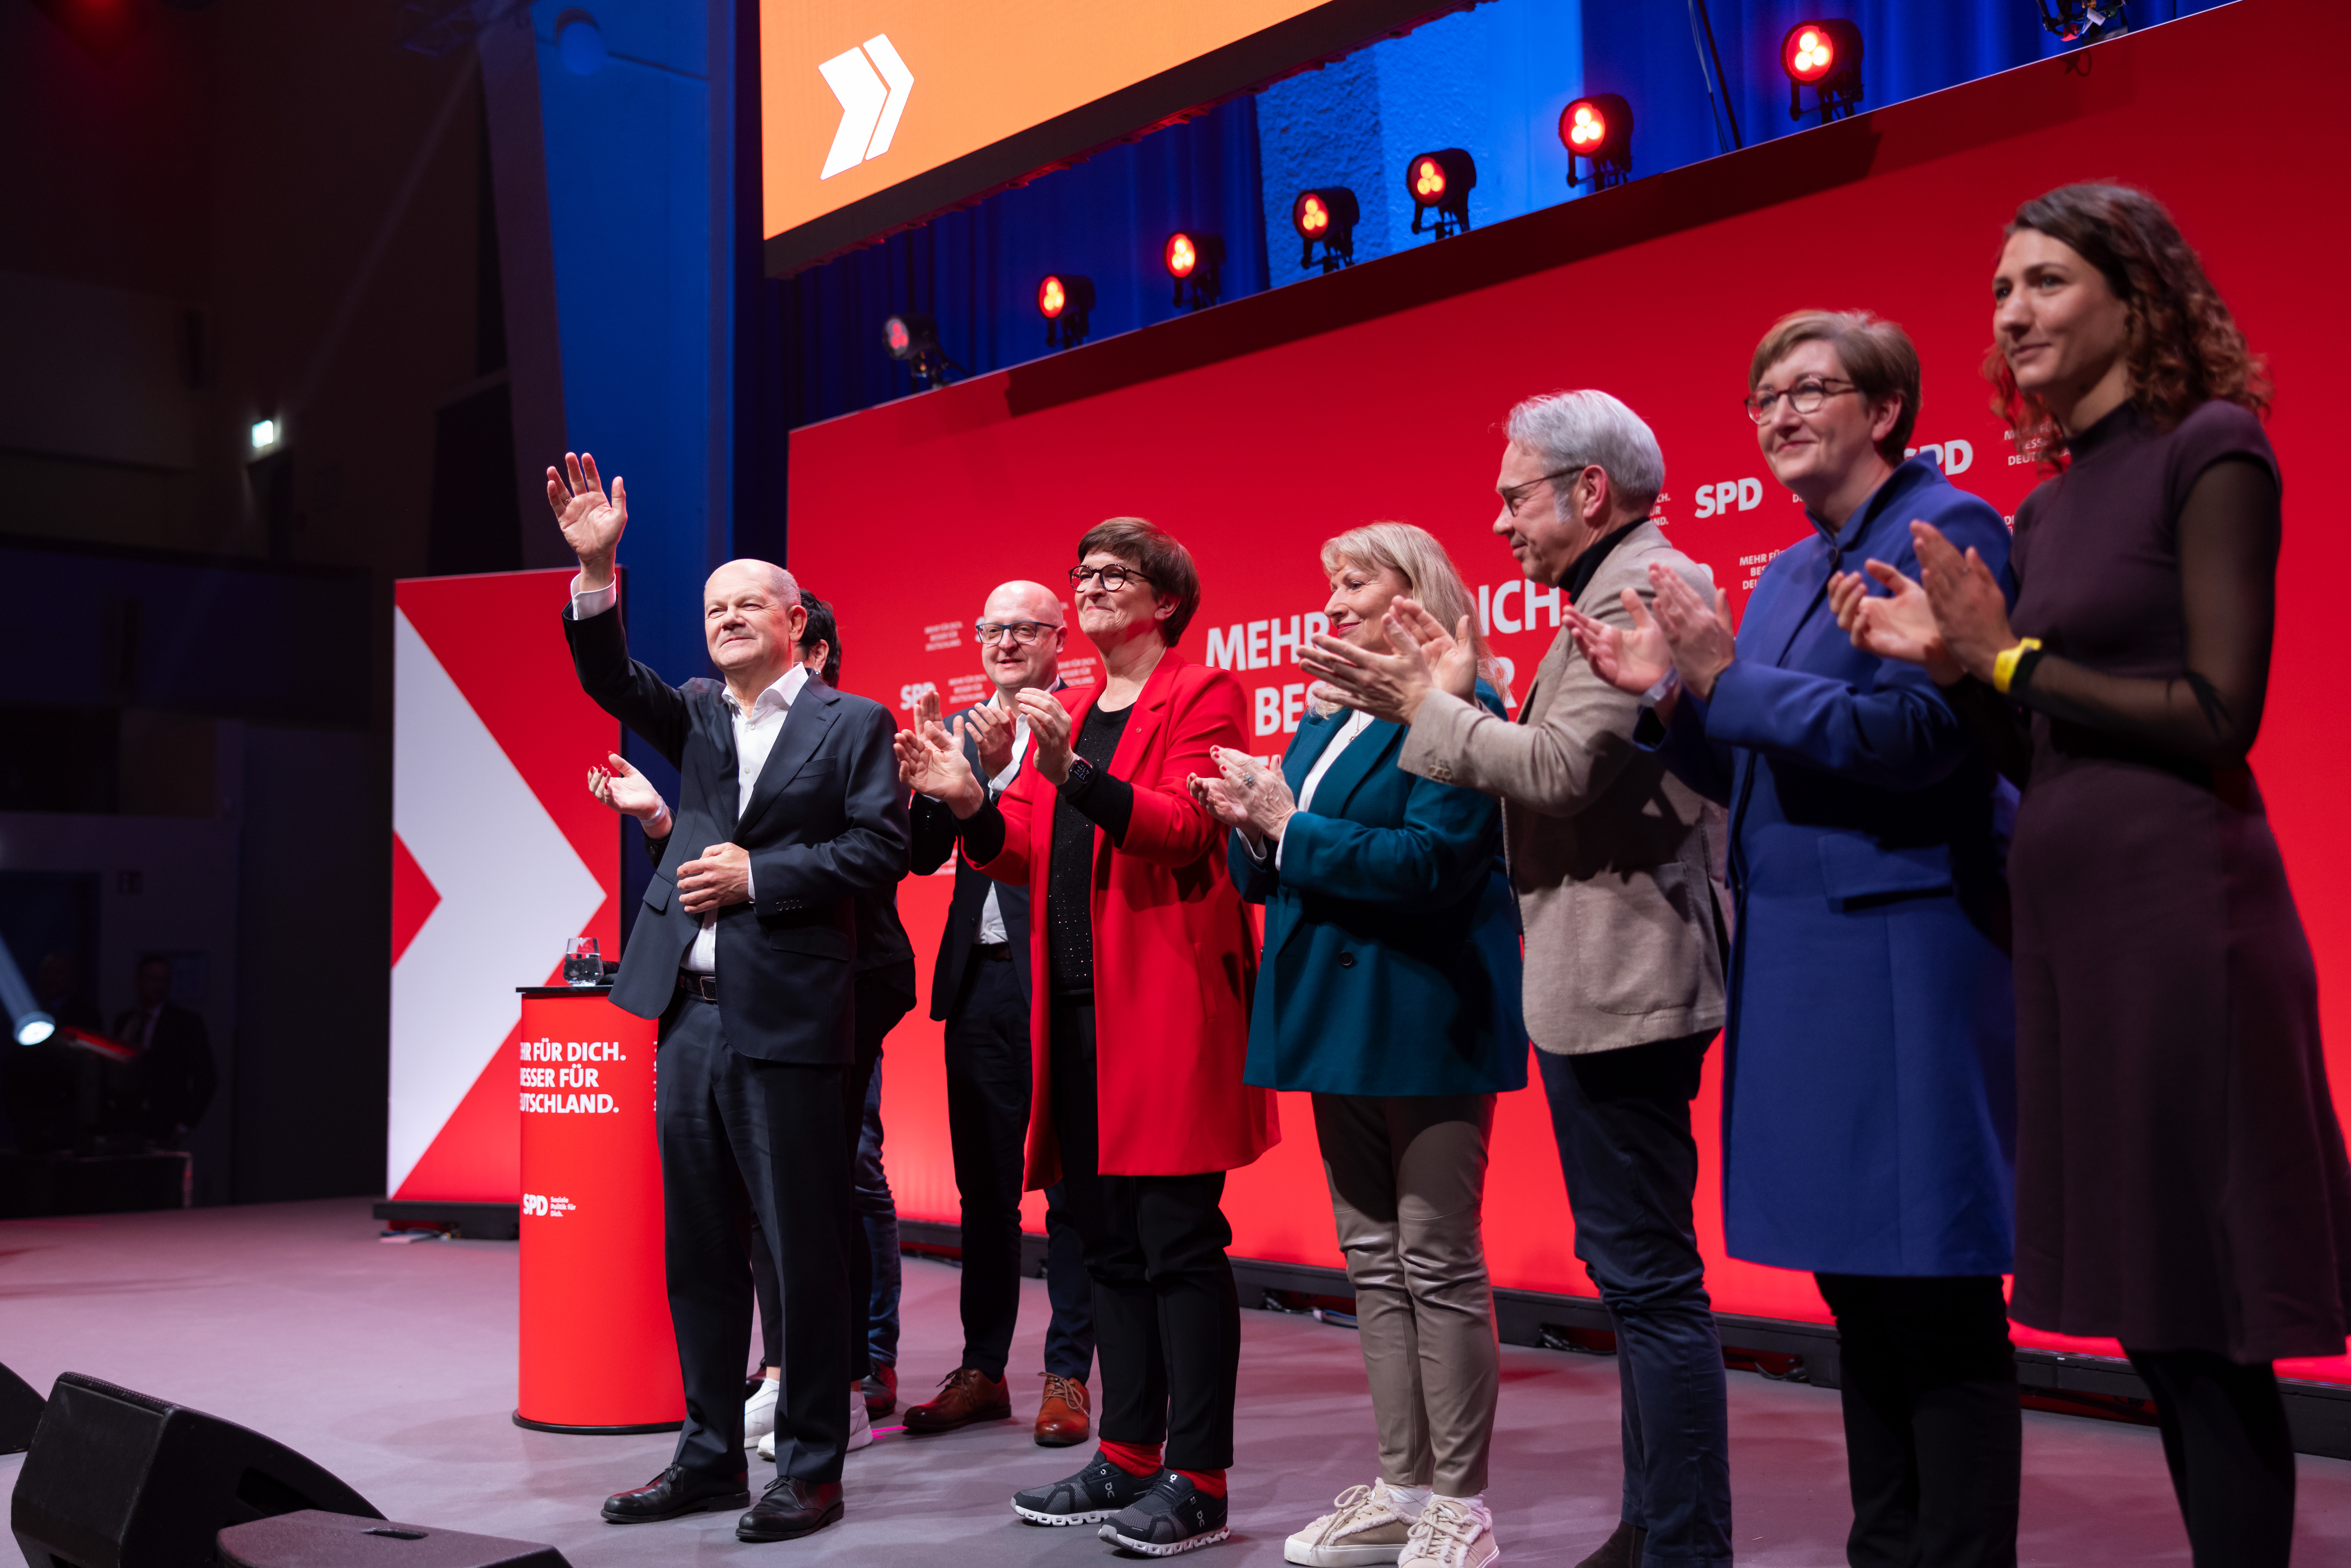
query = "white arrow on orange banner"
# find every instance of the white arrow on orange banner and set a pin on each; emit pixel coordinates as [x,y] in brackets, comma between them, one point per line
[872,84]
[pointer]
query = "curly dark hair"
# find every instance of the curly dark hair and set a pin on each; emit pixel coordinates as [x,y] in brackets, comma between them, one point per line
[2185,349]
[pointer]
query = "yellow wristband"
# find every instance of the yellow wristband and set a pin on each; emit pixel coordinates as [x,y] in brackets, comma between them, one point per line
[2003,665]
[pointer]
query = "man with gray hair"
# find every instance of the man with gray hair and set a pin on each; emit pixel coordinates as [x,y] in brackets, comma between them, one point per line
[788,809]
[1613,860]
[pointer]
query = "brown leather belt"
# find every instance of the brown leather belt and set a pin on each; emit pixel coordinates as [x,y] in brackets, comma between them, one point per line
[696,983]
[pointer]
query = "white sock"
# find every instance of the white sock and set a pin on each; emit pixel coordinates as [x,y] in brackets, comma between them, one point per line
[1476,1506]
[1408,1500]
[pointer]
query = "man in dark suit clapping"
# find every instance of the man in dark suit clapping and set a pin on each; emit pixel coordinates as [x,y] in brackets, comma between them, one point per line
[788,809]
[981,990]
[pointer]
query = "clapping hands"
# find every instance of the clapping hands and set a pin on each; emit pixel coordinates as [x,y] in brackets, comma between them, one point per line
[1245,796]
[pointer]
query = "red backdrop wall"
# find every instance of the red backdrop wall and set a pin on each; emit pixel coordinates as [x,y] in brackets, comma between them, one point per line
[1256,430]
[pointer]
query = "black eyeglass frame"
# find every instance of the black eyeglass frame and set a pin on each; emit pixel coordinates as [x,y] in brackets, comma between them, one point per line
[1820,388]
[1078,575]
[994,631]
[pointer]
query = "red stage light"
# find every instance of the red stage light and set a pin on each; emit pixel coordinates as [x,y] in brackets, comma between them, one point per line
[1051,298]
[1808,53]
[1428,182]
[1312,219]
[1582,127]
[1182,255]
[895,336]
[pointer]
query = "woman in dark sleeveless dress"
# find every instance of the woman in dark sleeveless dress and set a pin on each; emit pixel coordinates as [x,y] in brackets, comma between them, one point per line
[2180,1177]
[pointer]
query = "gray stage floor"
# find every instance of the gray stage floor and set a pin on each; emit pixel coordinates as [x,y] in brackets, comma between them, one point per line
[393,1366]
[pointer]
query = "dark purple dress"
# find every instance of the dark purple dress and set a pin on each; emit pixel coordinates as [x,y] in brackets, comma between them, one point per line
[2180,1177]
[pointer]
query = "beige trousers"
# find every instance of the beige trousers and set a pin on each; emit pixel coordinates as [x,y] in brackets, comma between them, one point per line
[1407,1183]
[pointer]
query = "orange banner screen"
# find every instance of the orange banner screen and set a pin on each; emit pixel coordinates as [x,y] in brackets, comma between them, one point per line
[875,114]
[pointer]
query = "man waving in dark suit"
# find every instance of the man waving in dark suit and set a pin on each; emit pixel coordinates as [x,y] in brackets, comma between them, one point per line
[789,808]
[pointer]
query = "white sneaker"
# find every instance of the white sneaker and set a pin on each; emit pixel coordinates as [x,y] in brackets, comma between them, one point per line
[1367,1528]
[1451,1532]
[861,1424]
[759,1412]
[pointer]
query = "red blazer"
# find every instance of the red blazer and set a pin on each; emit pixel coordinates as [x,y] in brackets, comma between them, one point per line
[1174,957]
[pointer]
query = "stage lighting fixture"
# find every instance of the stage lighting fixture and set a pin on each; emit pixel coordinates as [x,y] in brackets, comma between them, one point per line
[27,1023]
[1439,183]
[1599,128]
[914,338]
[1065,302]
[2084,21]
[265,434]
[1197,260]
[1827,58]
[1326,217]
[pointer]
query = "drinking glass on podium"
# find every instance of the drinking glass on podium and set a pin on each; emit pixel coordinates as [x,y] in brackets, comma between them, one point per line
[581,964]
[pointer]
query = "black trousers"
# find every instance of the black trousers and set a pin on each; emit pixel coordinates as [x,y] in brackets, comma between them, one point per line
[1167,1319]
[739,1138]
[882,997]
[987,1128]
[1934,1439]
[2230,1453]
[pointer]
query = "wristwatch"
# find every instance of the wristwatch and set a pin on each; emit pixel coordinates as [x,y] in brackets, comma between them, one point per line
[1082,773]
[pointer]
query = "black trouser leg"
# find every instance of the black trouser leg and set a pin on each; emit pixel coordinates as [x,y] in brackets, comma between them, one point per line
[2231,1455]
[771,1301]
[1069,1337]
[988,1129]
[732,1127]
[882,997]
[1934,1436]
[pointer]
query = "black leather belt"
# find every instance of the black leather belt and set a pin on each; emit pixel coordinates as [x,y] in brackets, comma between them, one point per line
[992,952]
[696,983]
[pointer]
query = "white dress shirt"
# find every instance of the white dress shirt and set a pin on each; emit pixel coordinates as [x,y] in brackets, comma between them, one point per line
[991,918]
[755,737]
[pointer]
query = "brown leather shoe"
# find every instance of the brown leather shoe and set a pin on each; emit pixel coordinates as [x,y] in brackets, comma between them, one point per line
[1062,1420]
[966,1394]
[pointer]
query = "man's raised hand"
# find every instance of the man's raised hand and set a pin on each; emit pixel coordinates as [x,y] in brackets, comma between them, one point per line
[993,731]
[591,522]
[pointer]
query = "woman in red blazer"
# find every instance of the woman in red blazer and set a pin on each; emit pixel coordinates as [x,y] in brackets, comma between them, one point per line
[1145,962]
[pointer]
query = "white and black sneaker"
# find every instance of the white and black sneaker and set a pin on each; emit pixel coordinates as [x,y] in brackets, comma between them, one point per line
[1173,1517]
[1090,1496]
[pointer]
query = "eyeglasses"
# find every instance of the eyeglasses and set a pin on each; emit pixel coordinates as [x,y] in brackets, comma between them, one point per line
[1113,578]
[1805,397]
[1513,493]
[1023,632]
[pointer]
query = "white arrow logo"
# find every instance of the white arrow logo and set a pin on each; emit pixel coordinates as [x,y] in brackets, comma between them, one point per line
[872,84]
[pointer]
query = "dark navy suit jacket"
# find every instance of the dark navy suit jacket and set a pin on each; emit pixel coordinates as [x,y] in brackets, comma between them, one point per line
[826,823]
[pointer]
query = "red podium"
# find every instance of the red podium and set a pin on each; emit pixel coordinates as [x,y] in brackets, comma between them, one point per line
[598,1354]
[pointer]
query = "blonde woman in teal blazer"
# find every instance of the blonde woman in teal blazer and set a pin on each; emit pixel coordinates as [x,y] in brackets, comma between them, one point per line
[1389,990]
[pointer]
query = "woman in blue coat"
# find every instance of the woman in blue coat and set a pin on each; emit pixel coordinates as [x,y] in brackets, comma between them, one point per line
[1389,989]
[1869,1108]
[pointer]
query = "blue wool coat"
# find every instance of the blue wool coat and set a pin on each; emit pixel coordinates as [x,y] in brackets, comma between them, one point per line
[1869,1107]
[1391,962]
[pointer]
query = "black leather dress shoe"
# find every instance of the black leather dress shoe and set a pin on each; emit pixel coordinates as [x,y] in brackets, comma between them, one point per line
[674,1493]
[790,1508]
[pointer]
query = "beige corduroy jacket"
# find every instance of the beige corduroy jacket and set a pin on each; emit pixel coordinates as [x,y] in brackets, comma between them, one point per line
[1615,861]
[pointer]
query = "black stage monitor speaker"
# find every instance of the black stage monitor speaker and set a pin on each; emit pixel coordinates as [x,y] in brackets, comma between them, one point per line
[118,1480]
[313,1539]
[20,1412]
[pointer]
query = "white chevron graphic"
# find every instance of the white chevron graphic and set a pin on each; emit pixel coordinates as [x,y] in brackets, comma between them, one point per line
[872,84]
[512,888]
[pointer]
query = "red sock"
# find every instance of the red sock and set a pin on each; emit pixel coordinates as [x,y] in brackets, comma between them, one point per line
[1134,1458]
[1209,1481]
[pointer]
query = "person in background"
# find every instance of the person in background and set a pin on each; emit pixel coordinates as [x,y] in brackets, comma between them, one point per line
[983,990]
[174,1077]
[884,992]
[1389,990]
[2181,1183]
[1139,1030]
[1613,862]
[743,949]
[1870,1097]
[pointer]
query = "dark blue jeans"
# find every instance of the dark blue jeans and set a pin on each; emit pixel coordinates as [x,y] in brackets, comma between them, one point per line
[869,1193]
[1622,1118]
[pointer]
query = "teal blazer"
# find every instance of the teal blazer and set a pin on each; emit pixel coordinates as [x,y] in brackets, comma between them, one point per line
[1391,961]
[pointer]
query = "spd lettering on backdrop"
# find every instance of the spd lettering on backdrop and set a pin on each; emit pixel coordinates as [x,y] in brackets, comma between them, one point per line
[1256,430]
[499,853]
